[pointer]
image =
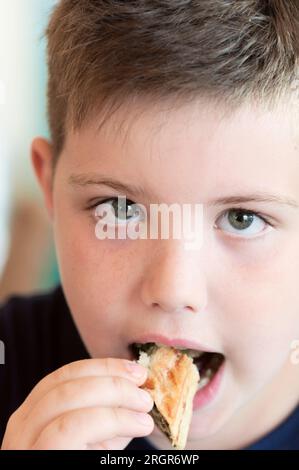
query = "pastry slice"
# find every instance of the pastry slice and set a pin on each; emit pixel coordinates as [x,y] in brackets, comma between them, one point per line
[172,382]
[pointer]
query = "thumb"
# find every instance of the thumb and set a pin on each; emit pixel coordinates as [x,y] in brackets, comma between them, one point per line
[117,443]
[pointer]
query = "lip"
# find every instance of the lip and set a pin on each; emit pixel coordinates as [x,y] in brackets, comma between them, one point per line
[208,393]
[172,342]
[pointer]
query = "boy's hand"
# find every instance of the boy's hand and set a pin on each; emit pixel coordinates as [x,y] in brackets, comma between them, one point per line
[89,404]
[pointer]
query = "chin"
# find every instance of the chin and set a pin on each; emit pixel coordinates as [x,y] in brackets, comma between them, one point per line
[207,424]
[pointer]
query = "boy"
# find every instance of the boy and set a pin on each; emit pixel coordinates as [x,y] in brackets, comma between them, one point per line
[181,102]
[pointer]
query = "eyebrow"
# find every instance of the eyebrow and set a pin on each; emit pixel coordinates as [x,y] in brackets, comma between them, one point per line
[257,197]
[84,180]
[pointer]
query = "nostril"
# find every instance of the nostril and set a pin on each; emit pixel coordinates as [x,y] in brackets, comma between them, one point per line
[172,308]
[188,307]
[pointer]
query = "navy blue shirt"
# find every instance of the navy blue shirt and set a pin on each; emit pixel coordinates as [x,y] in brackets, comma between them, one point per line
[40,336]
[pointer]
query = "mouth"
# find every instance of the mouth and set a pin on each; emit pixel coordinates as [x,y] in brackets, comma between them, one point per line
[207,362]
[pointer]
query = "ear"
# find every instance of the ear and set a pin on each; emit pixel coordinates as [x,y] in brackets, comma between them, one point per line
[41,158]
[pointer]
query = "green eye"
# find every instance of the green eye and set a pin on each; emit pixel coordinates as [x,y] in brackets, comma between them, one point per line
[239,219]
[124,209]
[242,222]
[119,211]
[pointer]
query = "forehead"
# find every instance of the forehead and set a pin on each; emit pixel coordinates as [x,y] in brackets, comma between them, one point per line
[194,144]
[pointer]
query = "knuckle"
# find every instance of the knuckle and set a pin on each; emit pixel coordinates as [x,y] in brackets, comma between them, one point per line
[65,424]
[62,374]
[118,385]
[108,366]
[58,431]
[64,392]
[44,442]
[12,420]
[116,417]
[15,421]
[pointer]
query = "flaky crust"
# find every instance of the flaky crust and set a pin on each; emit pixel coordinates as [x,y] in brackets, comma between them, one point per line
[172,382]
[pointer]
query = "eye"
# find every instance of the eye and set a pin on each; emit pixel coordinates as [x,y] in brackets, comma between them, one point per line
[119,210]
[242,222]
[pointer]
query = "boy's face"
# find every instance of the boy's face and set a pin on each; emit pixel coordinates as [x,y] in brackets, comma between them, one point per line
[237,295]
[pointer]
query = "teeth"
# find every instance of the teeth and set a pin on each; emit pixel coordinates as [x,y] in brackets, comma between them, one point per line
[190,352]
[194,353]
[206,377]
[160,345]
[203,382]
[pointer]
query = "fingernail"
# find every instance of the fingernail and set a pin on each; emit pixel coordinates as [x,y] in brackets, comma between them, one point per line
[144,419]
[135,369]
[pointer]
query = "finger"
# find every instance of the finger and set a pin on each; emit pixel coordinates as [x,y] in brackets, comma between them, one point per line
[78,429]
[86,392]
[118,443]
[87,367]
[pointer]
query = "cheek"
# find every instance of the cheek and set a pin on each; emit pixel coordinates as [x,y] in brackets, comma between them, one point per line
[257,300]
[82,255]
[99,273]
[97,277]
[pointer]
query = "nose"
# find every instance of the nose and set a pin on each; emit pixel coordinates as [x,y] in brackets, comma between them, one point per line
[174,280]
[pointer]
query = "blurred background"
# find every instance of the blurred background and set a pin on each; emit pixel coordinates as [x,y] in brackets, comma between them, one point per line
[27,256]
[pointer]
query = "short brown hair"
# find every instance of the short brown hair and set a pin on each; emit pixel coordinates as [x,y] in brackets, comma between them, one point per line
[104,52]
